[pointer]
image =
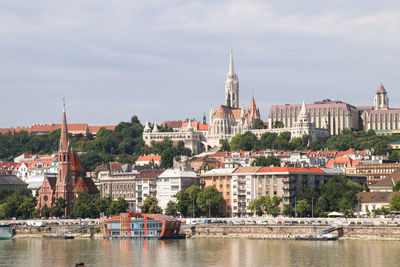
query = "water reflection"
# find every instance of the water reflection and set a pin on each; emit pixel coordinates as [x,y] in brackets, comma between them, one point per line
[197,252]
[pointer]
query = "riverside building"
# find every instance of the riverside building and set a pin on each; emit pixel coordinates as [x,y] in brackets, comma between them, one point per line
[239,186]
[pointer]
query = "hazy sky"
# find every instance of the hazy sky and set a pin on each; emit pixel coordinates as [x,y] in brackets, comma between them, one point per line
[167,60]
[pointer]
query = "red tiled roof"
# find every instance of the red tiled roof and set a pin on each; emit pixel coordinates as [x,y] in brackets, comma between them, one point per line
[172,124]
[52,182]
[317,105]
[85,185]
[95,129]
[149,158]
[76,165]
[203,127]
[149,174]
[291,169]
[247,170]
[375,197]
[348,151]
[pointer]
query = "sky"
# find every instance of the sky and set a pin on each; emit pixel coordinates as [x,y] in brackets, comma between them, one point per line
[168,59]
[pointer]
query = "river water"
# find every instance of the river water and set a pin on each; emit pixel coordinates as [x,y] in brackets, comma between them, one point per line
[198,252]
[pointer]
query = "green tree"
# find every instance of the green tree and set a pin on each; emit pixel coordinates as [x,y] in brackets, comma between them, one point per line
[395,202]
[256,205]
[267,139]
[278,124]
[258,124]
[287,210]
[171,208]
[117,207]
[339,194]
[303,207]
[282,142]
[193,193]
[244,142]
[103,204]
[224,145]
[209,200]
[45,212]
[84,207]
[183,203]
[271,205]
[266,161]
[150,205]
[396,187]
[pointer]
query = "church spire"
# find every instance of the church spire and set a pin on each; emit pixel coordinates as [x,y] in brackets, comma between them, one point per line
[231,70]
[64,145]
[231,86]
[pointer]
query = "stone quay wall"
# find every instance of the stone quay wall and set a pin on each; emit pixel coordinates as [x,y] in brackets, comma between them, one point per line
[289,231]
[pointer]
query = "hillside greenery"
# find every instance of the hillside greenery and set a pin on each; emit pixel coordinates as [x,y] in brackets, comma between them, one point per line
[125,144]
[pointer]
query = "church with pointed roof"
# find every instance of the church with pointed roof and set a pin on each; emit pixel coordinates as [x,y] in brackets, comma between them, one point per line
[71,178]
[228,120]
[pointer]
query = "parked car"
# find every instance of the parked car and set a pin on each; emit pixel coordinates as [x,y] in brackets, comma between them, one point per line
[251,222]
[263,222]
[287,222]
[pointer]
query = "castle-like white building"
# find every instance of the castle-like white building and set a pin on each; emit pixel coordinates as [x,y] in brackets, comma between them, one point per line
[228,120]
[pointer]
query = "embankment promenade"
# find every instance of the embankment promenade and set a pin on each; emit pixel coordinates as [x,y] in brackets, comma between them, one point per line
[273,228]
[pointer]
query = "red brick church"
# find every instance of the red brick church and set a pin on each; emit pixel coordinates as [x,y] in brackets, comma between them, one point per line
[71,179]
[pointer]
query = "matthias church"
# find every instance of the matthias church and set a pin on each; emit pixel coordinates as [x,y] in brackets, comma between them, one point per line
[231,119]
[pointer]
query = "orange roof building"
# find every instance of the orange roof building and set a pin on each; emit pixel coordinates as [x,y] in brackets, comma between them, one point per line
[239,186]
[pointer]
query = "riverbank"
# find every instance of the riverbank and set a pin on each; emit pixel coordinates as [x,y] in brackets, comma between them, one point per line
[389,233]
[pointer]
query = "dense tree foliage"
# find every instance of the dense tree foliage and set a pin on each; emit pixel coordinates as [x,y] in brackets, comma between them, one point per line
[267,161]
[303,208]
[224,145]
[259,124]
[171,208]
[209,201]
[396,187]
[278,124]
[195,201]
[18,204]
[124,145]
[338,194]
[266,205]
[87,206]
[395,203]
[150,205]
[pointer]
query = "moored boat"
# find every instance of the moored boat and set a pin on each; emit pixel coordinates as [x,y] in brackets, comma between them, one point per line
[7,231]
[141,226]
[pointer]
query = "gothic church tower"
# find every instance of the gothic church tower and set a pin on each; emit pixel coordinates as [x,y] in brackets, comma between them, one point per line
[381,101]
[231,86]
[64,183]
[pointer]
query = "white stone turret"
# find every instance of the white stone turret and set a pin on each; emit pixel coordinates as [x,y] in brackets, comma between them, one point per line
[381,101]
[155,128]
[242,113]
[189,126]
[147,128]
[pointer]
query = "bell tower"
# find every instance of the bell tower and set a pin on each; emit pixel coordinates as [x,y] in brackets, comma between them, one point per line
[64,183]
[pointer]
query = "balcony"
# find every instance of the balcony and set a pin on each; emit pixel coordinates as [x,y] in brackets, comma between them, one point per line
[288,179]
[289,187]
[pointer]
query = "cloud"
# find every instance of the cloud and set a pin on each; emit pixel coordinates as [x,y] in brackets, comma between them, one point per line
[168,59]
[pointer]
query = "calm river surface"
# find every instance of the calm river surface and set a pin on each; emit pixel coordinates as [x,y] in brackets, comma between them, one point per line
[198,252]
